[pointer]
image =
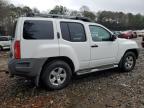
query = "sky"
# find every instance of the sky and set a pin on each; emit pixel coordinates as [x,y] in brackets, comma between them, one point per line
[132,6]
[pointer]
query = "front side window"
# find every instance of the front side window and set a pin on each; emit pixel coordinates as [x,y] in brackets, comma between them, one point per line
[99,33]
[73,31]
[37,29]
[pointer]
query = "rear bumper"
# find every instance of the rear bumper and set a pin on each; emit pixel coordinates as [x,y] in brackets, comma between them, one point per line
[25,67]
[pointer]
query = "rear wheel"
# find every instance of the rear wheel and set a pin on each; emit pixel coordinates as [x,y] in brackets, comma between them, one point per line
[56,75]
[128,61]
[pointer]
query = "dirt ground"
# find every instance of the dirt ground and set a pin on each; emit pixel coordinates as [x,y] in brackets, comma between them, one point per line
[105,89]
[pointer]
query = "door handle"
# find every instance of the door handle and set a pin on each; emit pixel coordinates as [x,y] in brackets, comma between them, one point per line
[94,46]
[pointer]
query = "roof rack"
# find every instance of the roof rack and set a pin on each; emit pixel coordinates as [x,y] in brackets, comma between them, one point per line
[85,19]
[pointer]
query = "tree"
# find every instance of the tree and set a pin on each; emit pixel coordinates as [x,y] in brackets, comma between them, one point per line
[87,13]
[3,8]
[3,15]
[35,10]
[26,10]
[8,15]
[121,21]
[61,10]
[84,8]
[75,13]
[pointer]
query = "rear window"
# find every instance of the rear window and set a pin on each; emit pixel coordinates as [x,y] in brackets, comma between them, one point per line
[4,39]
[37,29]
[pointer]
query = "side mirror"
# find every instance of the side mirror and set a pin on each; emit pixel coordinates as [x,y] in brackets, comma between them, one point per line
[113,37]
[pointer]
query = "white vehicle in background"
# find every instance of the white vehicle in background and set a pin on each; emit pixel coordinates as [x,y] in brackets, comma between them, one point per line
[5,42]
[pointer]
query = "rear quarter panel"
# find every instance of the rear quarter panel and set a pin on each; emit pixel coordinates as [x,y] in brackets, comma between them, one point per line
[39,48]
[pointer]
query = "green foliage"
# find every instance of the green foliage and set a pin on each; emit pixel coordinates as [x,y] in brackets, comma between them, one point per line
[3,8]
[35,10]
[61,10]
[84,8]
[120,21]
[89,15]
[9,13]
[113,20]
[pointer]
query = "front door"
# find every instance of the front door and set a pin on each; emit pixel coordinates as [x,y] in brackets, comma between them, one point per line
[103,50]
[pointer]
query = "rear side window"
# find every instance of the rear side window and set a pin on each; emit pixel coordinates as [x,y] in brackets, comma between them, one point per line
[73,31]
[4,39]
[37,29]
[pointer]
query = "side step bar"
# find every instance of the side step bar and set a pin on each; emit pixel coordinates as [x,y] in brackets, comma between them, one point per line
[86,71]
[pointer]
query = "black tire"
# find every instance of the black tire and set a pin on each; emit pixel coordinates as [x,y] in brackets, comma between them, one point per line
[48,69]
[124,62]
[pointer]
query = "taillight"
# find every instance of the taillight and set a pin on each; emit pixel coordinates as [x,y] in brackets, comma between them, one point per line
[17,53]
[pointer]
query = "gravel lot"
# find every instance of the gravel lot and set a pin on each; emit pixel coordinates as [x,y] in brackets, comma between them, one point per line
[106,89]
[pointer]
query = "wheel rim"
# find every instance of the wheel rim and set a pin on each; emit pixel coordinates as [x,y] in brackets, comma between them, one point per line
[129,62]
[57,76]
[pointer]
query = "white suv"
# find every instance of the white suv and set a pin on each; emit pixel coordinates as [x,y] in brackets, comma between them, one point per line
[5,42]
[51,50]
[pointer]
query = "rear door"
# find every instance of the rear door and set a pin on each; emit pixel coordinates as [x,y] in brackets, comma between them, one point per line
[74,42]
[39,38]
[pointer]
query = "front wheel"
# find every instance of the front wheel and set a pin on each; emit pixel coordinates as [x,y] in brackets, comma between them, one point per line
[56,75]
[128,62]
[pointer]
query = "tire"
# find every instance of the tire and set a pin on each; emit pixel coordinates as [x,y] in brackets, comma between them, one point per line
[128,62]
[56,75]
